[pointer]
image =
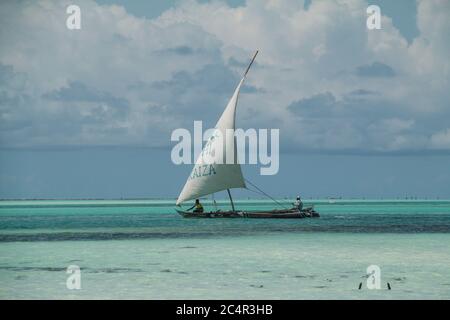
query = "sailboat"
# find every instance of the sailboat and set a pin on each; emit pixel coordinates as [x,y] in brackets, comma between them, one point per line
[208,177]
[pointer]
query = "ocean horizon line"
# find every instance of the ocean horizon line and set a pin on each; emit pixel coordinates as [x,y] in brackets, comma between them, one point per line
[237,199]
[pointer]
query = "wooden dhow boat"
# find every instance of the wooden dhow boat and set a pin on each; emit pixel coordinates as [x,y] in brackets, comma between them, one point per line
[208,177]
[293,213]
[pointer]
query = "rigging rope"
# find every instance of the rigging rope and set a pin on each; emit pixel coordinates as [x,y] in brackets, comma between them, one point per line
[263,193]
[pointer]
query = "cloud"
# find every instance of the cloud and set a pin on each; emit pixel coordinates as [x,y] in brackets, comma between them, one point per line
[441,140]
[376,69]
[318,105]
[14,102]
[321,77]
[77,91]
[359,120]
[187,95]
[181,50]
[363,92]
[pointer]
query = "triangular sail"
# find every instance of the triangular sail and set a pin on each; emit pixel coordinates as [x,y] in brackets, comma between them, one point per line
[212,173]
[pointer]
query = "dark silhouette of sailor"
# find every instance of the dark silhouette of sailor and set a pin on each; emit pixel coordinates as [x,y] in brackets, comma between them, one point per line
[198,207]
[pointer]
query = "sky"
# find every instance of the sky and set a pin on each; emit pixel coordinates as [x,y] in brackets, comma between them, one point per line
[89,113]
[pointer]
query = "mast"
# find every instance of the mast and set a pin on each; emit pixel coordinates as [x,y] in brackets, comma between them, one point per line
[220,176]
[251,62]
[231,199]
[245,74]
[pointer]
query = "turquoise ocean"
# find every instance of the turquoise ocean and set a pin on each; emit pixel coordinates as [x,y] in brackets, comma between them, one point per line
[141,249]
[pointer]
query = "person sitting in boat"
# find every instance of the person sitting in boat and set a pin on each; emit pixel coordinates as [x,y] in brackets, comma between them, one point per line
[198,207]
[298,203]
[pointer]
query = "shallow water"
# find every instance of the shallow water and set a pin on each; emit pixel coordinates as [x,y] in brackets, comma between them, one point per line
[142,249]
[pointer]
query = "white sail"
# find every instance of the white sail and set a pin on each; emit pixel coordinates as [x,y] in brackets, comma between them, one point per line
[212,172]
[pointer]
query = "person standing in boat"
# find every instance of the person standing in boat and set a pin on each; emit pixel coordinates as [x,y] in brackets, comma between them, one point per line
[198,207]
[298,203]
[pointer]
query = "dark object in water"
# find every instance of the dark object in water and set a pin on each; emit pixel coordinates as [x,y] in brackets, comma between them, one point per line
[389,286]
[293,213]
[360,286]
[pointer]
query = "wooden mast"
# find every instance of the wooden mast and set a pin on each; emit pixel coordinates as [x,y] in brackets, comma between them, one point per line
[231,199]
[251,62]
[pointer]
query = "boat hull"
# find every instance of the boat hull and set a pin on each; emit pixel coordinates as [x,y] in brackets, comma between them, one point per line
[270,214]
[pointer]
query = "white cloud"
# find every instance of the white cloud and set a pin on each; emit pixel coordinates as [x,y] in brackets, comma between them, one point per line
[184,64]
[441,140]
